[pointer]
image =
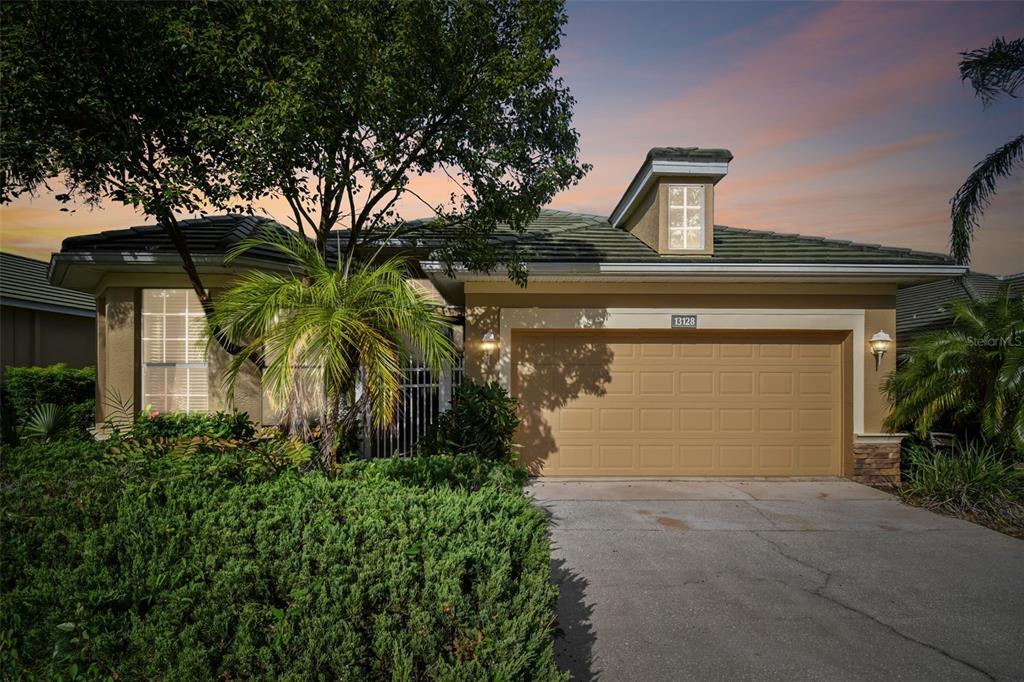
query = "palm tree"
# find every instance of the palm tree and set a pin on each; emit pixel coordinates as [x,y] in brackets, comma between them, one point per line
[969,377]
[335,329]
[994,71]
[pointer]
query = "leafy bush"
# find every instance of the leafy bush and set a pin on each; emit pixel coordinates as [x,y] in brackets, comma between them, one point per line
[463,471]
[482,420]
[74,390]
[974,482]
[968,378]
[133,565]
[233,425]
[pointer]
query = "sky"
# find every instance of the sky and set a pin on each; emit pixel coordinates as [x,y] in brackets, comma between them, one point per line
[846,120]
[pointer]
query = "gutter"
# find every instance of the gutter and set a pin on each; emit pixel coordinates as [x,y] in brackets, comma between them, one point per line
[658,270]
[60,263]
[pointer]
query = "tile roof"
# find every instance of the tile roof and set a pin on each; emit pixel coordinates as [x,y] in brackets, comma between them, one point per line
[24,283]
[924,307]
[209,235]
[555,236]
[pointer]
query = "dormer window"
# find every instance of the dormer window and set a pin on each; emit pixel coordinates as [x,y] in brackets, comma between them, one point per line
[686,211]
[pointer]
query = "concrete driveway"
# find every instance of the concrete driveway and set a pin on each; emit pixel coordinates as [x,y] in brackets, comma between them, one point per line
[822,580]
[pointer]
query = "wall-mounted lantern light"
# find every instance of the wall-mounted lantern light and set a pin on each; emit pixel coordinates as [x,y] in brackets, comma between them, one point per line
[880,343]
[489,342]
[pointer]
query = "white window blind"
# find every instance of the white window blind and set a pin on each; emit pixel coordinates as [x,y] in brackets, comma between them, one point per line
[174,370]
[686,217]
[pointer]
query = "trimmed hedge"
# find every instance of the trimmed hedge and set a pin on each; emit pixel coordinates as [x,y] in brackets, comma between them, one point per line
[135,565]
[233,425]
[25,388]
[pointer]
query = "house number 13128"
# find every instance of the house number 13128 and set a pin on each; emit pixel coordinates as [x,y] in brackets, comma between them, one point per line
[684,321]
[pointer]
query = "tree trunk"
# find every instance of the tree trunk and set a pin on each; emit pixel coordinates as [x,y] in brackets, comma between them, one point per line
[328,432]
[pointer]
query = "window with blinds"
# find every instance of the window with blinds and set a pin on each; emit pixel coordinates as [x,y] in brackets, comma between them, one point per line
[174,369]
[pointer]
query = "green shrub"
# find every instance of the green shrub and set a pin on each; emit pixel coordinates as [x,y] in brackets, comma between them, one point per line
[974,481]
[481,421]
[74,390]
[133,565]
[463,471]
[233,425]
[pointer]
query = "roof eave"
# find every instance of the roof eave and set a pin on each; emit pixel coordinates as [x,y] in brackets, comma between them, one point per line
[656,168]
[732,272]
[83,271]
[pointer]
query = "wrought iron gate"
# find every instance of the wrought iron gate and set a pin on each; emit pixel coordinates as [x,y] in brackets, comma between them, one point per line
[422,397]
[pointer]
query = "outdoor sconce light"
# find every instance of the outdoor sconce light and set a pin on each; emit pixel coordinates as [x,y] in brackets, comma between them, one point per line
[489,342]
[879,344]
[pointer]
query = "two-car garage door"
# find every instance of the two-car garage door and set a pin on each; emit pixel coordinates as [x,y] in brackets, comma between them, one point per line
[600,403]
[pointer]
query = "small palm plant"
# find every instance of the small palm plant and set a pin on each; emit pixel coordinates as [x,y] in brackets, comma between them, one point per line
[970,376]
[46,421]
[324,327]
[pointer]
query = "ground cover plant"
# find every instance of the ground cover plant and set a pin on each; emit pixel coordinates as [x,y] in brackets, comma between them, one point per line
[146,559]
[29,391]
[975,482]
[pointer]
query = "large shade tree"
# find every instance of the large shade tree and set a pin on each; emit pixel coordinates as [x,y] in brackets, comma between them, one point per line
[994,71]
[104,104]
[356,100]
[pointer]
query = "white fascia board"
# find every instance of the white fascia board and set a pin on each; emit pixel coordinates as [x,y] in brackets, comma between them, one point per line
[661,167]
[582,271]
[62,264]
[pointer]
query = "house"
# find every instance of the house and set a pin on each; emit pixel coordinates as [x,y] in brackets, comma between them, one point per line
[42,324]
[648,343]
[925,307]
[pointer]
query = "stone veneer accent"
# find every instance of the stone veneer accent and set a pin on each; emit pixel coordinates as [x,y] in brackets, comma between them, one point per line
[876,459]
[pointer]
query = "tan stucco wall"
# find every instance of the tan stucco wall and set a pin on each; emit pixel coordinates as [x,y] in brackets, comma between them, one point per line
[117,369]
[649,220]
[119,349]
[484,301]
[876,407]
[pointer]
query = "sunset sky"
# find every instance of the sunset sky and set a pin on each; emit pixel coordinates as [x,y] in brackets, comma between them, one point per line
[846,120]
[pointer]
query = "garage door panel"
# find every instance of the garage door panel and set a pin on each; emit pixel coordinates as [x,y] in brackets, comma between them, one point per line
[655,419]
[663,405]
[616,419]
[732,383]
[697,383]
[658,384]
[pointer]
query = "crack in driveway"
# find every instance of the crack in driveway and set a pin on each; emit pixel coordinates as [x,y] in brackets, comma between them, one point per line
[819,592]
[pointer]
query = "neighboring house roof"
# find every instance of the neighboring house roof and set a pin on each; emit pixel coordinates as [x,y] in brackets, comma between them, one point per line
[24,284]
[924,307]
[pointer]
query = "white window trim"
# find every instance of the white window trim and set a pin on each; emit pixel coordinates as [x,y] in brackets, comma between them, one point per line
[703,216]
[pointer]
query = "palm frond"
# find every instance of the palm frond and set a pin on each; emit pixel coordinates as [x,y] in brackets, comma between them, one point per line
[994,70]
[975,195]
[969,376]
[318,325]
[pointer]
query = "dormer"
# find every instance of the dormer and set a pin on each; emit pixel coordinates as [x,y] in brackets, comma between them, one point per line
[670,204]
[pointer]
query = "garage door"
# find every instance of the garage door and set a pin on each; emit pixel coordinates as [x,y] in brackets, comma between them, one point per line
[683,404]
